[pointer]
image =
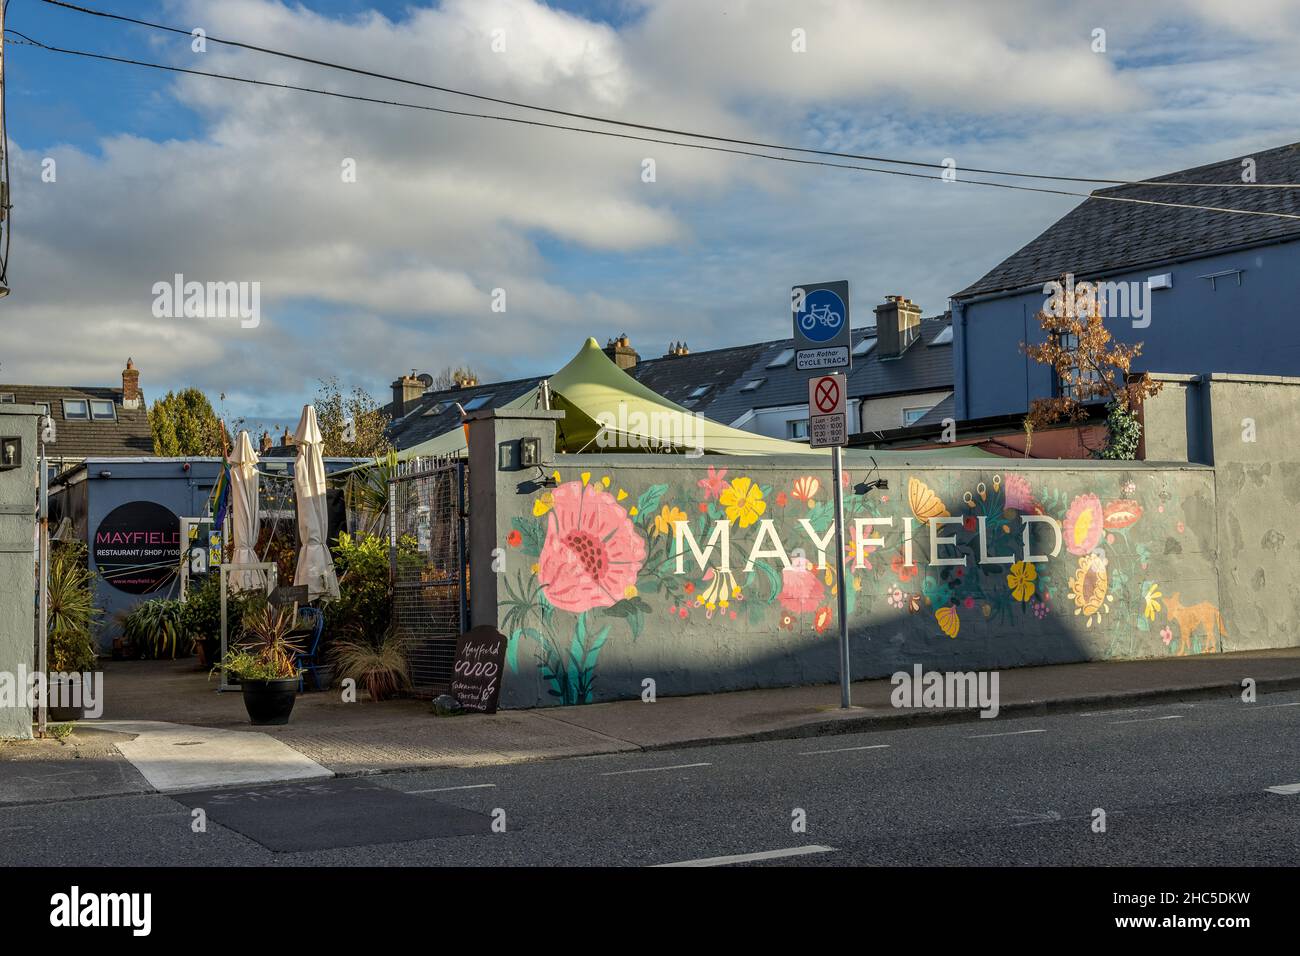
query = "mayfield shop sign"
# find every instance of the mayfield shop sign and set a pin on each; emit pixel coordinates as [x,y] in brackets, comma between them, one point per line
[868,532]
[137,547]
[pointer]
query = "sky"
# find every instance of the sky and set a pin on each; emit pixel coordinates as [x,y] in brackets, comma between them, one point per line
[123,177]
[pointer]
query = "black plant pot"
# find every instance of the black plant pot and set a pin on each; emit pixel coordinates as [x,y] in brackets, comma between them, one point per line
[270,702]
[323,678]
[58,690]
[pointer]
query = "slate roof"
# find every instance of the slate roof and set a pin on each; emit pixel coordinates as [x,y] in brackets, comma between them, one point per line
[922,367]
[128,436]
[1100,236]
[435,414]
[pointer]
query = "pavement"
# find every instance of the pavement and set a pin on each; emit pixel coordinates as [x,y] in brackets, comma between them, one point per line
[165,728]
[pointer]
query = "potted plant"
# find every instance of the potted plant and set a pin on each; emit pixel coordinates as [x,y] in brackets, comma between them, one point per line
[72,616]
[381,667]
[200,618]
[156,628]
[265,664]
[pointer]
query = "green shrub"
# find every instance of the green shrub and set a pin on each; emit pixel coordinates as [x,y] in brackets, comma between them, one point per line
[156,628]
[364,607]
[200,616]
[72,611]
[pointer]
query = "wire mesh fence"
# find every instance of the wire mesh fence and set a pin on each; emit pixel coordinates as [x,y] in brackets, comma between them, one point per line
[429,558]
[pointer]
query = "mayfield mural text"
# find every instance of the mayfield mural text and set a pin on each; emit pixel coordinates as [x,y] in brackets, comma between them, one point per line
[976,555]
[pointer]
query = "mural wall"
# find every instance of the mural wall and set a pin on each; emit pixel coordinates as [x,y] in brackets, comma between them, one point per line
[712,574]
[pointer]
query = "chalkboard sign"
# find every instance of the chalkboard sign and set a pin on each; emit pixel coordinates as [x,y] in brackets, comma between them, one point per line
[476,679]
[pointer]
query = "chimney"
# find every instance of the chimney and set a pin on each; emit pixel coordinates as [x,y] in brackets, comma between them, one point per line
[621,352]
[405,391]
[286,439]
[131,397]
[265,444]
[677,348]
[898,322]
[469,381]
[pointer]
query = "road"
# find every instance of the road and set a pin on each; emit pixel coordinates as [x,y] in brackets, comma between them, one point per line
[1182,784]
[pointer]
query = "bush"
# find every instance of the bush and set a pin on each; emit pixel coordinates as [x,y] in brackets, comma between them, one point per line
[364,607]
[200,616]
[155,627]
[72,611]
[1123,433]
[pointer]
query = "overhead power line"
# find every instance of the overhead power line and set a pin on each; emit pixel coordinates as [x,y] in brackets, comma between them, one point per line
[26,40]
[645,127]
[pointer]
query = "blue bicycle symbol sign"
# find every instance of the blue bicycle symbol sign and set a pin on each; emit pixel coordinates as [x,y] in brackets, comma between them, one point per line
[822,316]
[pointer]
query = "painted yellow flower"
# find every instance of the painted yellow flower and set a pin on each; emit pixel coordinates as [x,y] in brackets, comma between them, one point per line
[743,501]
[1090,586]
[1151,603]
[1021,580]
[666,519]
[543,504]
[630,591]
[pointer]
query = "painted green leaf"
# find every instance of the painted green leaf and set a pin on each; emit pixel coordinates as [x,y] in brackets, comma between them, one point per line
[532,532]
[648,502]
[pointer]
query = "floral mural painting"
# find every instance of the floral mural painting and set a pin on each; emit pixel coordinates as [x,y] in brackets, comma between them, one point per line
[978,554]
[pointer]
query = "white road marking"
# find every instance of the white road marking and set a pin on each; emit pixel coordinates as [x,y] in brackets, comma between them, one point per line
[1294,703]
[1009,733]
[1285,789]
[841,750]
[1108,713]
[748,857]
[471,786]
[680,766]
[1140,720]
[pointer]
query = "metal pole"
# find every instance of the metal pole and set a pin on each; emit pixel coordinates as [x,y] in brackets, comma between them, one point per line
[837,467]
[44,558]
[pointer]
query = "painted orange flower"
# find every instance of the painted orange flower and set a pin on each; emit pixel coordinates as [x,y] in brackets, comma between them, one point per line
[822,619]
[904,572]
[666,520]
[805,489]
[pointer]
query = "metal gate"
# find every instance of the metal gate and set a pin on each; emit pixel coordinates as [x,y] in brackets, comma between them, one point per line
[429,561]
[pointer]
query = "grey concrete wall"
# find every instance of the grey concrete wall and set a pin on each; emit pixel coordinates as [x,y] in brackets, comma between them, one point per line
[17,564]
[593,603]
[1254,439]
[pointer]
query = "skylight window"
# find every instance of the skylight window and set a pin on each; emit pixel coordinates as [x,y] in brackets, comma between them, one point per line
[102,411]
[753,384]
[863,347]
[700,391]
[944,337]
[782,360]
[478,401]
[76,410]
[437,409]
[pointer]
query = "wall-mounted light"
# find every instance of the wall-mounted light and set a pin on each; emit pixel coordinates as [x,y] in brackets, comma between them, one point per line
[11,452]
[106,474]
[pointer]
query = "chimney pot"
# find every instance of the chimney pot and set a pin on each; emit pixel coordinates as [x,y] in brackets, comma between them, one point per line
[621,353]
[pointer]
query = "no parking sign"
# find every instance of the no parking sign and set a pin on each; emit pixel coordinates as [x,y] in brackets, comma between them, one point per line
[827,411]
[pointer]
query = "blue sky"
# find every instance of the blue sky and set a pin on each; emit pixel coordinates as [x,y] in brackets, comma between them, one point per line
[159,174]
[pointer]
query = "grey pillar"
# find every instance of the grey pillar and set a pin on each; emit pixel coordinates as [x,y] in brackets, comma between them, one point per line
[18,473]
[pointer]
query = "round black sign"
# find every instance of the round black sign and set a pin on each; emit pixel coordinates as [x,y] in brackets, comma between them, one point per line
[137,547]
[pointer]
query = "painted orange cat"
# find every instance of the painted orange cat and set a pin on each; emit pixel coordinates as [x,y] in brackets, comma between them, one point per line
[1189,618]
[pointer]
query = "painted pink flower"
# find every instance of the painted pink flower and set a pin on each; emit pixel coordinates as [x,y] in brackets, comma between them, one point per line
[592,553]
[1084,523]
[1166,634]
[801,590]
[1019,496]
[714,483]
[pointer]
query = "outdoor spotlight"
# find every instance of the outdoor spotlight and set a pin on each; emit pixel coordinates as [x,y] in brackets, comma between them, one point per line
[11,452]
[106,474]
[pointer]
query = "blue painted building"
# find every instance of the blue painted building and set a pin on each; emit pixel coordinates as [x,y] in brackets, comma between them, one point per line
[1208,291]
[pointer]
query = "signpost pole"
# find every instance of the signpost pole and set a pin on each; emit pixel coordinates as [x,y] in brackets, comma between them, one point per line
[842,579]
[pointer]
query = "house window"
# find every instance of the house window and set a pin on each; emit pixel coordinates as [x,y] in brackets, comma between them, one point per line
[863,347]
[1070,341]
[913,415]
[753,384]
[478,401]
[699,391]
[6,398]
[76,410]
[102,411]
[944,337]
[797,429]
[782,360]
